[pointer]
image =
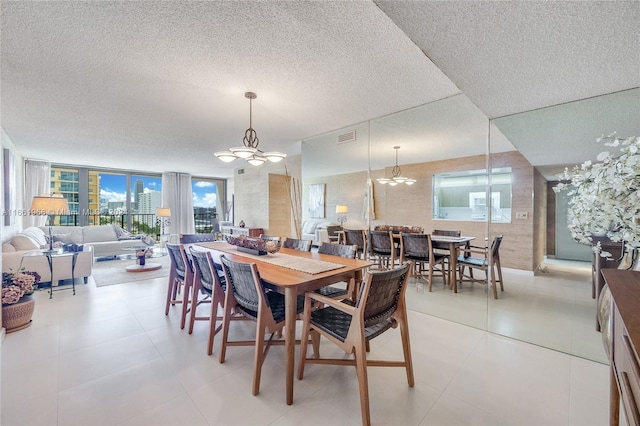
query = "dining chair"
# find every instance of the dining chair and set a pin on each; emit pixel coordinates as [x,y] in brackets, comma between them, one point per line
[297,244]
[446,233]
[382,248]
[247,295]
[341,250]
[180,281]
[356,237]
[196,238]
[419,248]
[333,233]
[380,306]
[489,260]
[209,284]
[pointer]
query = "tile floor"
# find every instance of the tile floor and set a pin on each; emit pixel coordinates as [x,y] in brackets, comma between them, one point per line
[109,356]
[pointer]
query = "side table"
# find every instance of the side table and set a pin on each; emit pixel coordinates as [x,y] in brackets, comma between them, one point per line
[56,253]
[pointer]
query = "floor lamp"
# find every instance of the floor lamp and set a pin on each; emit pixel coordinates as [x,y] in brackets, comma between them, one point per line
[49,205]
[163,218]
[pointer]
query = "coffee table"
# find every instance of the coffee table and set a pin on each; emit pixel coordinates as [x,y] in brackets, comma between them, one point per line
[144,267]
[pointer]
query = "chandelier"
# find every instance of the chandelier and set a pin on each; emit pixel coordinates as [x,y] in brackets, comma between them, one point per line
[249,150]
[396,178]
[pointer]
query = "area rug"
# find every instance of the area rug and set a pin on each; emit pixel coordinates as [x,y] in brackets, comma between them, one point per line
[110,272]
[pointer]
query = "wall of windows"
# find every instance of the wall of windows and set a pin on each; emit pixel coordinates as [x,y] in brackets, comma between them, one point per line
[130,199]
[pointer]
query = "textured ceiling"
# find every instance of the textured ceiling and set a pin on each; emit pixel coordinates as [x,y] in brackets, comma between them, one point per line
[515,56]
[158,86]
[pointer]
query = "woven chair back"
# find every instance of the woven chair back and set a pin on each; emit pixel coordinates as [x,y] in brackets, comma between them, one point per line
[384,293]
[201,264]
[342,250]
[196,238]
[296,244]
[495,247]
[177,261]
[416,246]
[380,242]
[240,280]
[446,233]
[354,237]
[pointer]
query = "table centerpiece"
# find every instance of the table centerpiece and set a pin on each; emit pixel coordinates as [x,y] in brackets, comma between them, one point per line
[256,246]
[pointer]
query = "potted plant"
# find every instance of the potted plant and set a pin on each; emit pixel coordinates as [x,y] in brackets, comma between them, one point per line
[18,302]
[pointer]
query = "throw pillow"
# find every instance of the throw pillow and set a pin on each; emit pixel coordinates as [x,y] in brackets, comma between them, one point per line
[62,238]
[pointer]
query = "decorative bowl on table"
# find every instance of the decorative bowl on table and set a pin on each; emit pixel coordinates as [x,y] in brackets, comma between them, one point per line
[256,246]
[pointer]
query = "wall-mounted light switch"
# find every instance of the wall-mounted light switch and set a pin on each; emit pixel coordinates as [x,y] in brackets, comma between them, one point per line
[522,215]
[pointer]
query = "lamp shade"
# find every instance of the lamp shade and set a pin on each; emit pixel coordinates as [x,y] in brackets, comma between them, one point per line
[49,205]
[163,212]
[340,209]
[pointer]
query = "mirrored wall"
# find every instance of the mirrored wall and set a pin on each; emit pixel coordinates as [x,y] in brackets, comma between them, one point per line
[447,147]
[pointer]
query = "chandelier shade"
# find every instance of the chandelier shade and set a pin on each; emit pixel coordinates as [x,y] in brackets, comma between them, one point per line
[249,150]
[396,176]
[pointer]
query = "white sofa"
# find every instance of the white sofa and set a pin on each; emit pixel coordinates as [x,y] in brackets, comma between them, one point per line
[22,251]
[106,240]
[316,230]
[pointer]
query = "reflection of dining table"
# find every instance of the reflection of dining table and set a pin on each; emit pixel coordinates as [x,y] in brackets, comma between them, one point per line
[451,244]
[292,282]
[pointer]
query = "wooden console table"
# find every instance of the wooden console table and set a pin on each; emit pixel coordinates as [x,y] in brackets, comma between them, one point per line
[625,344]
[236,230]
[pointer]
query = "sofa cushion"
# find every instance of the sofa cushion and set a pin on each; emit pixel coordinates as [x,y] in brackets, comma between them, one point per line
[75,231]
[36,234]
[97,234]
[8,248]
[23,242]
[63,238]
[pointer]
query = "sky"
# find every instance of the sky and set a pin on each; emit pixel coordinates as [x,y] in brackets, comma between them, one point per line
[113,187]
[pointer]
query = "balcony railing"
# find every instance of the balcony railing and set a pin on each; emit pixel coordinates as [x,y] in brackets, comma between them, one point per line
[140,222]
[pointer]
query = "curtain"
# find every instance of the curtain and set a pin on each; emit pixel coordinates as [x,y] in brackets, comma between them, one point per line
[177,195]
[37,181]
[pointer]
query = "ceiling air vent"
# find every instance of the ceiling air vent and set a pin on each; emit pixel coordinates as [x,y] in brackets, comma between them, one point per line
[240,171]
[347,137]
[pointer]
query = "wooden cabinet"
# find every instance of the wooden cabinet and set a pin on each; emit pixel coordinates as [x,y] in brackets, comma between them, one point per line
[598,262]
[625,344]
[236,230]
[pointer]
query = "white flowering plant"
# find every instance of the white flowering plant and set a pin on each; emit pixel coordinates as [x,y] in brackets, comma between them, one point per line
[604,197]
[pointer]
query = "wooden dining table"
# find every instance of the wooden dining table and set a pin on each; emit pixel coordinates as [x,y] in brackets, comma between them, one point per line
[293,282]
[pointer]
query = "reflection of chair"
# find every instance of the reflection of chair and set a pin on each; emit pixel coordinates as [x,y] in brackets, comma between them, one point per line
[181,275]
[382,248]
[445,249]
[356,237]
[247,295]
[418,247]
[489,259]
[341,250]
[380,306]
[296,244]
[332,232]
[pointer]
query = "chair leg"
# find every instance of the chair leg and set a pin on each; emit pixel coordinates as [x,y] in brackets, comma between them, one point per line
[226,319]
[406,346]
[493,283]
[259,356]
[304,340]
[499,274]
[169,291]
[187,302]
[430,276]
[361,368]
[315,343]
[212,322]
